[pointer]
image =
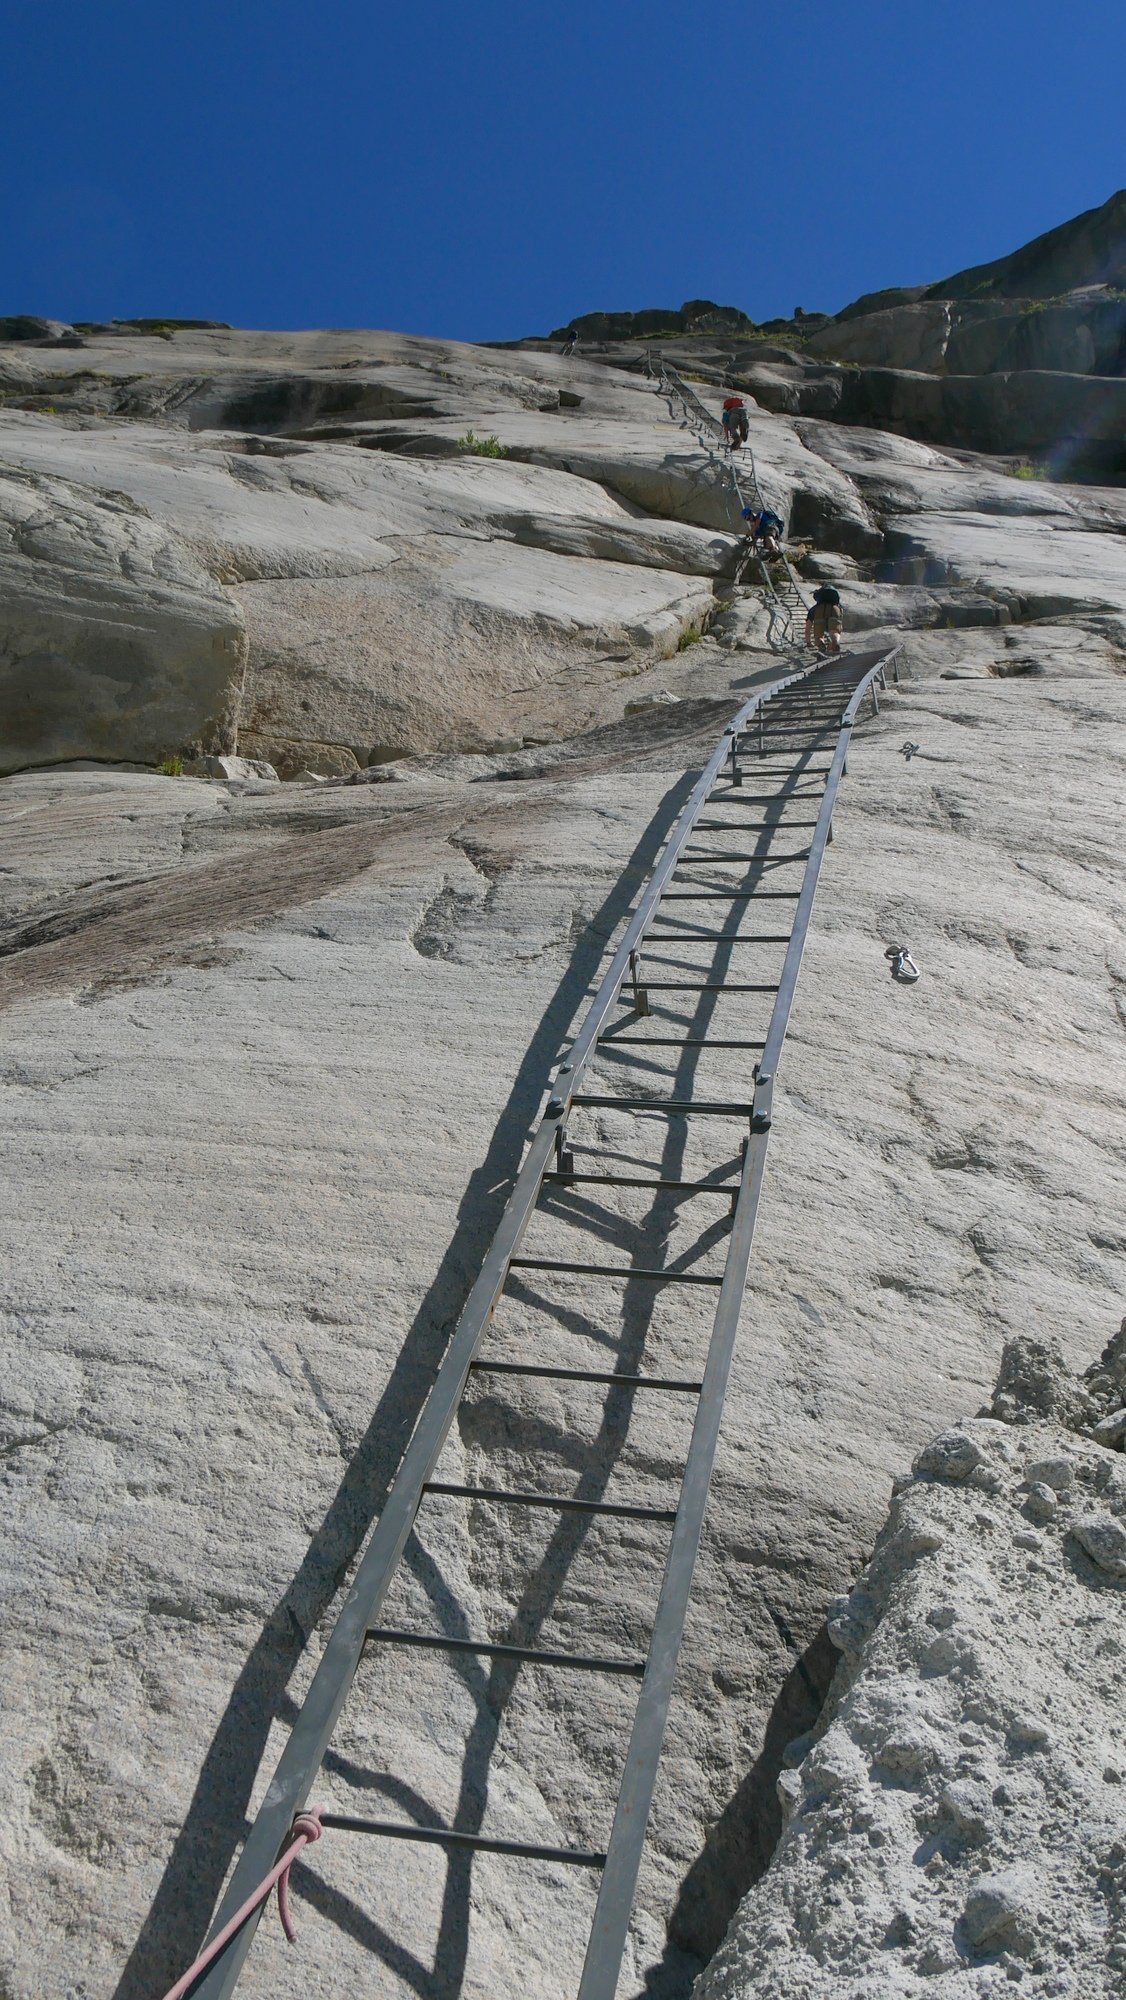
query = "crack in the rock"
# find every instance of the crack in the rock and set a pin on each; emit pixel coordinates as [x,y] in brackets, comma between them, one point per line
[20,1443]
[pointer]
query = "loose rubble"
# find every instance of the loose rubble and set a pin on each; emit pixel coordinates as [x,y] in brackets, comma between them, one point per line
[958,1825]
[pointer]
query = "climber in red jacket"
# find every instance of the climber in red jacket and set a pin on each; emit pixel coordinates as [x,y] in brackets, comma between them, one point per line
[736,422]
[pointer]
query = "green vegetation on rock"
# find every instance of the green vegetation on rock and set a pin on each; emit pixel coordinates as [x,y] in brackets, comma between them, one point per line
[481,447]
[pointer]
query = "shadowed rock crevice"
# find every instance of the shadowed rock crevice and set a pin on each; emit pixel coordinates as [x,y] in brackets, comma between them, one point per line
[739,1846]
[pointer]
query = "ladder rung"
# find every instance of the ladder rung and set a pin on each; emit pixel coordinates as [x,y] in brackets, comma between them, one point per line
[674,1042]
[726,1188]
[675,1106]
[736,895]
[448,1836]
[697,986]
[629,1271]
[436,1642]
[671,1382]
[756,826]
[718,857]
[552,1500]
[736,796]
[719,937]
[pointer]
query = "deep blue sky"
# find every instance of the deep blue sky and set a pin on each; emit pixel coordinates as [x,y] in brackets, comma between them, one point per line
[488,170]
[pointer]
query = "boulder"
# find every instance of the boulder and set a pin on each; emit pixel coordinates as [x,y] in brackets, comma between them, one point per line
[660,698]
[826,566]
[230,769]
[967,1769]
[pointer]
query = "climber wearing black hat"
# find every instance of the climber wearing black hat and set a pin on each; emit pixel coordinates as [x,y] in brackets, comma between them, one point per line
[824,620]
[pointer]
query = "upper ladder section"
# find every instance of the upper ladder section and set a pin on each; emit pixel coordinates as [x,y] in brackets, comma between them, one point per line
[785,598]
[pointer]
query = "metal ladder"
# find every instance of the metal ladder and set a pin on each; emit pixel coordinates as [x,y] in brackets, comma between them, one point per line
[786,600]
[721,924]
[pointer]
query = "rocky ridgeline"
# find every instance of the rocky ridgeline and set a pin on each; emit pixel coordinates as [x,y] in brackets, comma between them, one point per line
[957,1820]
[1026,355]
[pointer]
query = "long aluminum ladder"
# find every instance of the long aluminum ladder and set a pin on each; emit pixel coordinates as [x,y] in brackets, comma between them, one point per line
[770,788]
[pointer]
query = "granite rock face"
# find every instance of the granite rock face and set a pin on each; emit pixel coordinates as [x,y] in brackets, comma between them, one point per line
[327,575]
[1071,422]
[903,336]
[272,1051]
[380,601]
[960,1817]
[115,640]
[1084,334]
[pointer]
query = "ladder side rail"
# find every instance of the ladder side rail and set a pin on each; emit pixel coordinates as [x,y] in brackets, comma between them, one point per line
[575,1060]
[624,1850]
[791,964]
[635,1796]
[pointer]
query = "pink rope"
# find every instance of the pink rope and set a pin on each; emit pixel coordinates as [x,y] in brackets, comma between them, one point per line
[305,1829]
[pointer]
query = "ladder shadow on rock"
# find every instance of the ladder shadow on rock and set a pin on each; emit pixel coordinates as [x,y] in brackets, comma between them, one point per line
[216,1820]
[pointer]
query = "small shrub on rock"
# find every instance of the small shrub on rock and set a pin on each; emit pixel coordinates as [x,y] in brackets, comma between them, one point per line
[481,447]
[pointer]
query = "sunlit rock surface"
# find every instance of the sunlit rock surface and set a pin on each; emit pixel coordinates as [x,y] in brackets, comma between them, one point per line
[271,1055]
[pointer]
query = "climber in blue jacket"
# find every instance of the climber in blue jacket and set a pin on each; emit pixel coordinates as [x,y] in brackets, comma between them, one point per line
[765,527]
